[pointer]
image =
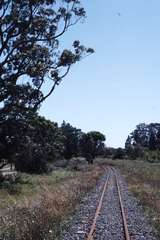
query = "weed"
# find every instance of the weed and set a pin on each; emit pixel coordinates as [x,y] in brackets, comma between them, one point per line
[41,217]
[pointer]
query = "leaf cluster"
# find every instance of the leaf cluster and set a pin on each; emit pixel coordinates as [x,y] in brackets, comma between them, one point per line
[30,52]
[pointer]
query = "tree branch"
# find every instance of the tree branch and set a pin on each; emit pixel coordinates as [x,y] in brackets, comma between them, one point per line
[4,9]
[53,87]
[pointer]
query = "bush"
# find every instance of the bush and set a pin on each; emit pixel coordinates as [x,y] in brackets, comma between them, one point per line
[12,188]
[32,161]
[152,156]
[119,154]
[11,183]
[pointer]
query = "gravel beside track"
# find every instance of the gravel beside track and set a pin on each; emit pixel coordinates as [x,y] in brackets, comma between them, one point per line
[109,225]
[138,224]
[79,224]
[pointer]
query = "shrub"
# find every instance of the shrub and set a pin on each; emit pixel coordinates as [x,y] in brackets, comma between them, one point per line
[119,154]
[32,160]
[152,156]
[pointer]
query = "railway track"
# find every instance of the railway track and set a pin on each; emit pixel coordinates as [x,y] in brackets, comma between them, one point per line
[109,213]
[112,174]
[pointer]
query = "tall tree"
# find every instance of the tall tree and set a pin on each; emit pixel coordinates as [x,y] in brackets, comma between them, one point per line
[92,145]
[144,137]
[30,56]
[71,140]
[39,142]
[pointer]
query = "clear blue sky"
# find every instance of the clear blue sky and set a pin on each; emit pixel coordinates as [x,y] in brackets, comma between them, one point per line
[119,86]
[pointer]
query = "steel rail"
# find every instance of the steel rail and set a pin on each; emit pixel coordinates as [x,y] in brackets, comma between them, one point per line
[125,225]
[98,209]
[93,226]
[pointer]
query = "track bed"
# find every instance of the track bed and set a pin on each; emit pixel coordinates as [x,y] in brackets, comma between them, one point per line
[109,212]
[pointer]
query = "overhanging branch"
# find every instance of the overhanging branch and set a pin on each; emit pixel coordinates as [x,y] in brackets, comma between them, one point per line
[53,87]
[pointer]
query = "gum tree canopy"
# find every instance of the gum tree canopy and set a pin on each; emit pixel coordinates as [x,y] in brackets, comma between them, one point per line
[30,55]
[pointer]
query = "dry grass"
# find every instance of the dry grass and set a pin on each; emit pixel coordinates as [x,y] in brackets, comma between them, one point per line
[143,179]
[41,203]
[40,216]
[144,182]
[29,186]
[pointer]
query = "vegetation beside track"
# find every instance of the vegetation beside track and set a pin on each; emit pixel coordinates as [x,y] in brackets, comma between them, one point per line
[144,181]
[38,200]
[43,200]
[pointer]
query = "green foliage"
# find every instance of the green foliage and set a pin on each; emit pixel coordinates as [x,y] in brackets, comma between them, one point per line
[109,152]
[72,137]
[78,143]
[119,153]
[29,48]
[32,162]
[145,135]
[11,183]
[12,188]
[12,132]
[32,143]
[47,137]
[92,145]
[144,142]
[31,57]
[152,156]
[134,152]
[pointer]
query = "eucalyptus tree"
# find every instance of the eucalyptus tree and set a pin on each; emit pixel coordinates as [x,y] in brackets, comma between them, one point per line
[32,58]
[30,52]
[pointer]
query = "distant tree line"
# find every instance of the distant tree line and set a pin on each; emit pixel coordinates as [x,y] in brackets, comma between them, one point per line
[35,142]
[115,153]
[144,142]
